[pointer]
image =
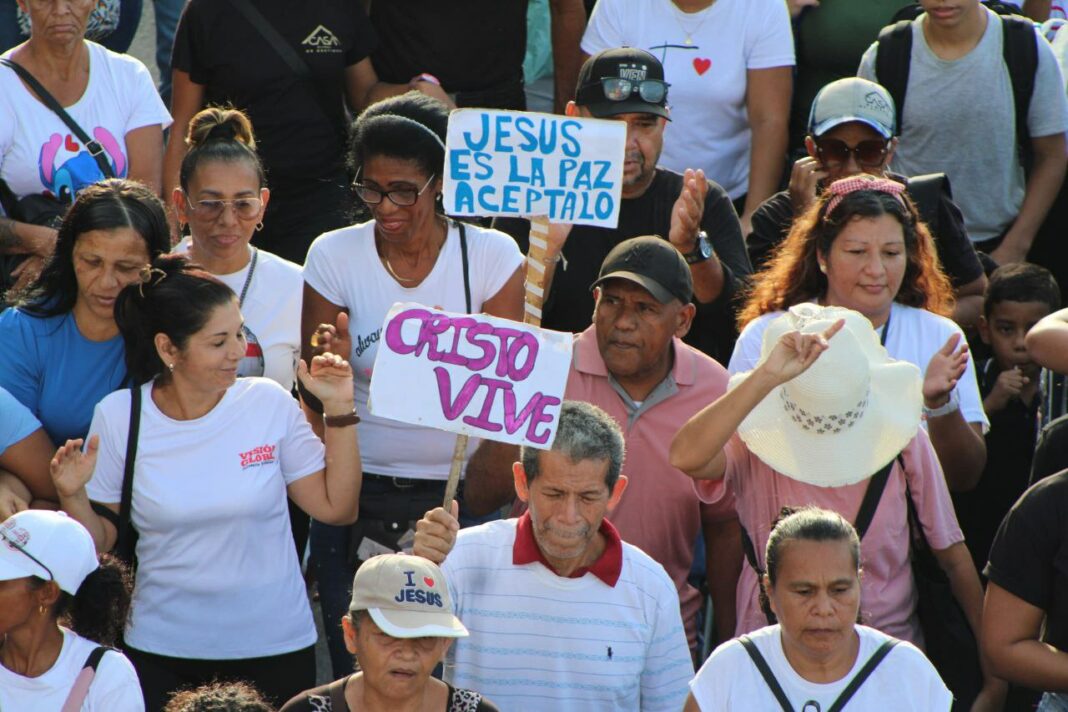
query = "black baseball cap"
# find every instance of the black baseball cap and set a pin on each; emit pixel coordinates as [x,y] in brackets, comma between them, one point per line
[653,263]
[620,63]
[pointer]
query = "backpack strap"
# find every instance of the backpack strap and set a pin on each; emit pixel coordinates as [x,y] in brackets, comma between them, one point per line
[892,59]
[765,672]
[1020,52]
[124,544]
[80,690]
[872,495]
[864,673]
[926,192]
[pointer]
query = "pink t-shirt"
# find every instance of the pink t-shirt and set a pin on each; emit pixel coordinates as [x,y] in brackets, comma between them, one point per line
[659,511]
[888,595]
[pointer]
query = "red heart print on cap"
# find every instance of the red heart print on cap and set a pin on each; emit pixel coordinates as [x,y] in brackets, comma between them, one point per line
[701,64]
[428,581]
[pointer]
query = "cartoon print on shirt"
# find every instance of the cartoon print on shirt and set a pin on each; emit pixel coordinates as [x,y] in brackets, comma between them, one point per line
[66,166]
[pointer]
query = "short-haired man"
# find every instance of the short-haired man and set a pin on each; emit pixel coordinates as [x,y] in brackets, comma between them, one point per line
[850,131]
[694,214]
[633,364]
[563,615]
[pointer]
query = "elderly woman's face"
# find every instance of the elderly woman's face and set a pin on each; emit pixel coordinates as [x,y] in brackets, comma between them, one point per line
[397,668]
[105,261]
[816,597]
[865,266]
[58,20]
[407,183]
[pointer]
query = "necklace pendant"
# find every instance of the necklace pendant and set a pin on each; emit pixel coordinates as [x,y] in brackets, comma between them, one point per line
[689,40]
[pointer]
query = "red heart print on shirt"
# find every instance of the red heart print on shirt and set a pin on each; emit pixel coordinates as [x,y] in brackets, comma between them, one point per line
[701,65]
[71,144]
[428,581]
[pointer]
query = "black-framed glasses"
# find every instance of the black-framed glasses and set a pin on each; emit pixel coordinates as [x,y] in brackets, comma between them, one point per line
[833,151]
[212,208]
[402,197]
[652,91]
[22,550]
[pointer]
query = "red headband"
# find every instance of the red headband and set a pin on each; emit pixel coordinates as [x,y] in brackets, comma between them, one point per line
[841,188]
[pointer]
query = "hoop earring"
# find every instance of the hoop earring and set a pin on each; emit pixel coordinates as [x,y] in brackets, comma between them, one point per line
[259,226]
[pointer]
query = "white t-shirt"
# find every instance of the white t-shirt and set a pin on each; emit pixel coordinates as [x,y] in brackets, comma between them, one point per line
[271,310]
[39,154]
[915,336]
[115,686]
[343,266]
[904,681]
[217,575]
[709,125]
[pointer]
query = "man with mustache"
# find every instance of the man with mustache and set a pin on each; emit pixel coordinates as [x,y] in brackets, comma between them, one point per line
[562,614]
[692,213]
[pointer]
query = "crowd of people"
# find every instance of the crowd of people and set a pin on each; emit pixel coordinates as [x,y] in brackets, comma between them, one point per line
[812,448]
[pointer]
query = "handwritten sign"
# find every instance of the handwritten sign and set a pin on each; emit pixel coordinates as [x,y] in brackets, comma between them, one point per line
[471,374]
[522,164]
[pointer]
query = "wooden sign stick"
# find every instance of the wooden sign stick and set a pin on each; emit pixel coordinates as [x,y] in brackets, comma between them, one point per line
[535,298]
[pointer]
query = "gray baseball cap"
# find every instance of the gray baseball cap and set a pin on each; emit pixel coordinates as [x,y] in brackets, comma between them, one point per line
[853,99]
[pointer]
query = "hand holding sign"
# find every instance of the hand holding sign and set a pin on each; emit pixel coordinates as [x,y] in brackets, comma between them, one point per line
[331,338]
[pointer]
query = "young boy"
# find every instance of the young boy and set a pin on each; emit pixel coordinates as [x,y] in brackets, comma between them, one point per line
[1019,294]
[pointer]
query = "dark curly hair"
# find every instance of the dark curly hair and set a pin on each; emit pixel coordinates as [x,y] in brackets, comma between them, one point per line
[219,697]
[792,275]
[402,127]
[98,611]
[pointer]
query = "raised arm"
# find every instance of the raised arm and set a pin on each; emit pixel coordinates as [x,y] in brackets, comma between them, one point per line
[1047,341]
[71,469]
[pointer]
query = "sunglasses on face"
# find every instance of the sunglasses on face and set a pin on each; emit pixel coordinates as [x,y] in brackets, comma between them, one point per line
[19,548]
[833,151]
[402,197]
[652,91]
[244,208]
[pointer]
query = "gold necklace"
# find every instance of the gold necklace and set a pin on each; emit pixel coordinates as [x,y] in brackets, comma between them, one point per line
[678,14]
[393,272]
[389,268]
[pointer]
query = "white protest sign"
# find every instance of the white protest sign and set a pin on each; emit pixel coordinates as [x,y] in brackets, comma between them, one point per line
[567,169]
[471,374]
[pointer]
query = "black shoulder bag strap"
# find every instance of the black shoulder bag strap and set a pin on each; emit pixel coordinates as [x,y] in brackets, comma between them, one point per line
[864,673]
[278,43]
[124,545]
[94,148]
[765,672]
[892,60]
[463,256]
[872,495]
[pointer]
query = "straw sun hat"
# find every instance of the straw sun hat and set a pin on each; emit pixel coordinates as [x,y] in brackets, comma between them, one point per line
[844,418]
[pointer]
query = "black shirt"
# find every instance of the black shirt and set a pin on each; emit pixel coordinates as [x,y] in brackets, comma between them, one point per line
[569,304]
[773,219]
[1010,445]
[318,699]
[469,45]
[1029,558]
[300,125]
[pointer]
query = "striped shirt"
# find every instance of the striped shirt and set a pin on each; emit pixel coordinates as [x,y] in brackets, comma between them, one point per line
[544,642]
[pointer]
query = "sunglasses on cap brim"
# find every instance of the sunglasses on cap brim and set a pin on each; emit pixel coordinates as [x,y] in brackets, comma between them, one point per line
[652,91]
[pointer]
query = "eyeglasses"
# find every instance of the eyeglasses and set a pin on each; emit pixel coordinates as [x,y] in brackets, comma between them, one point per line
[652,91]
[402,197]
[244,208]
[833,151]
[19,548]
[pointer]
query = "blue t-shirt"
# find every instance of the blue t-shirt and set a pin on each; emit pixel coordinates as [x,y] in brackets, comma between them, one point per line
[16,421]
[56,372]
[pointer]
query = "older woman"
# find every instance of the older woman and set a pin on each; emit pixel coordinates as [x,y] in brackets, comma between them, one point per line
[862,247]
[60,348]
[219,591]
[399,626]
[58,605]
[817,648]
[825,421]
[223,197]
[408,252]
[110,96]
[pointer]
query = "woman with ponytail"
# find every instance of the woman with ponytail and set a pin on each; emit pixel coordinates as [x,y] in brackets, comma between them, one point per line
[219,593]
[58,606]
[222,197]
[60,349]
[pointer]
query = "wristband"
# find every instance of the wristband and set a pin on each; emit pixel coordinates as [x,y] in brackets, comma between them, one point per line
[341,421]
[425,77]
[946,408]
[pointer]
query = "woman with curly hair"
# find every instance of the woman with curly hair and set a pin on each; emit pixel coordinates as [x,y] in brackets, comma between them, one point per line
[863,247]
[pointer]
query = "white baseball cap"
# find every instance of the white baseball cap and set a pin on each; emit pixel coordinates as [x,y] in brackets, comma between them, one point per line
[49,545]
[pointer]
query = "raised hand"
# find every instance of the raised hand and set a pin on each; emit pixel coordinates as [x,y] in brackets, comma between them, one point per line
[329,379]
[688,210]
[944,370]
[332,338]
[795,352]
[71,468]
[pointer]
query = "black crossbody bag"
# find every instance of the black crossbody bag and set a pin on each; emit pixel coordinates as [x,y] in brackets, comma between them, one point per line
[126,542]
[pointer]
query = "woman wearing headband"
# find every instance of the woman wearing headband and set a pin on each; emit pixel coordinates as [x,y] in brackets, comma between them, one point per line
[817,648]
[408,252]
[219,592]
[58,606]
[60,348]
[828,418]
[863,247]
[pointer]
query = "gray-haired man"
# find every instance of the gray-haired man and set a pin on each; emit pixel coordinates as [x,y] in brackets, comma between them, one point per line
[578,619]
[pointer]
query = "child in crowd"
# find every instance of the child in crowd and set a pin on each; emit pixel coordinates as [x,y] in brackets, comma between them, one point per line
[1019,294]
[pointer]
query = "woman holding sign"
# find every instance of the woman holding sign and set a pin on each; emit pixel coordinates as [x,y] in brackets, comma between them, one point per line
[408,252]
